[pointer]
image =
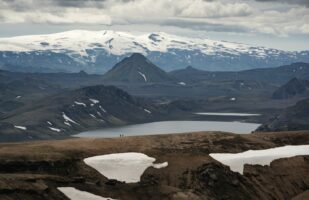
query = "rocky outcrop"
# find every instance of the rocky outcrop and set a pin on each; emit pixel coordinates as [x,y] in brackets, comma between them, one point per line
[293,88]
[290,119]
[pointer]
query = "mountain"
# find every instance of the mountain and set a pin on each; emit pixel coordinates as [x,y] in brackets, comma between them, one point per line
[98,51]
[291,119]
[136,69]
[190,74]
[292,88]
[276,75]
[74,111]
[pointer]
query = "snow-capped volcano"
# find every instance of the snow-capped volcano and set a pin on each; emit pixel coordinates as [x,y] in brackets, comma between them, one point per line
[119,43]
[98,51]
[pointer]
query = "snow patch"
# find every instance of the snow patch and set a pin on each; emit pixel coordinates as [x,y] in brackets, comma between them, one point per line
[182,83]
[21,127]
[143,75]
[74,194]
[18,97]
[55,129]
[67,123]
[127,167]
[94,101]
[147,111]
[80,103]
[92,116]
[49,123]
[237,161]
[66,118]
[102,109]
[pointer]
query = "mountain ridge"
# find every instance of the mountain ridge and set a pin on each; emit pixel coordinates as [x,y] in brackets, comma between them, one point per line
[98,51]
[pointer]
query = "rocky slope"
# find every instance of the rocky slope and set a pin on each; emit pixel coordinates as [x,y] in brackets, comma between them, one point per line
[293,118]
[98,51]
[35,170]
[72,111]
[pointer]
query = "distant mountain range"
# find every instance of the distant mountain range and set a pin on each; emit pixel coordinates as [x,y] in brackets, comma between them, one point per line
[50,105]
[277,75]
[98,51]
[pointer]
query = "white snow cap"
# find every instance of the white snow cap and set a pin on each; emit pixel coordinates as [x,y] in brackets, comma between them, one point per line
[237,161]
[75,194]
[127,167]
[78,41]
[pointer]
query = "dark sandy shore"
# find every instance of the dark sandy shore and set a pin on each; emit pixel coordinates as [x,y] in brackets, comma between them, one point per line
[33,170]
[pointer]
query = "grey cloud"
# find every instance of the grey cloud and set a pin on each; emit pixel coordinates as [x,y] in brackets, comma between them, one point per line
[204,26]
[299,2]
[30,4]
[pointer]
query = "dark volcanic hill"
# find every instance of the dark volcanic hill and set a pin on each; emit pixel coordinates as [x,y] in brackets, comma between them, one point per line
[136,69]
[74,111]
[292,118]
[292,88]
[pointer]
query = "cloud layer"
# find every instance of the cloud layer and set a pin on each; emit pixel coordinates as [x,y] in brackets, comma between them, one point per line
[222,15]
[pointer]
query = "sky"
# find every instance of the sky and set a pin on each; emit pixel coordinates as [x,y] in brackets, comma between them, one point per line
[281,24]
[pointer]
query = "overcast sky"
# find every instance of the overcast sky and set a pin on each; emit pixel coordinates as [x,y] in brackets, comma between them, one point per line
[282,24]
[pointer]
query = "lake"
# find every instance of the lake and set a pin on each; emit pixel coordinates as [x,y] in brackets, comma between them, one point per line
[228,114]
[167,127]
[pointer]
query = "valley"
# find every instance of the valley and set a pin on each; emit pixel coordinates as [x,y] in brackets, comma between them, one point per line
[60,104]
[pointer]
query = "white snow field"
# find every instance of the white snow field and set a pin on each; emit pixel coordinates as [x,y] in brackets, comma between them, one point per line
[237,161]
[127,167]
[75,194]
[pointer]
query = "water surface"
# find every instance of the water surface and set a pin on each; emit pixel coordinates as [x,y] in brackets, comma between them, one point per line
[227,114]
[167,127]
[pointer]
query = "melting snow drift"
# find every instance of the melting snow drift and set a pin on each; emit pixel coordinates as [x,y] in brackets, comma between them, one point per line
[75,194]
[127,167]
[237,161]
